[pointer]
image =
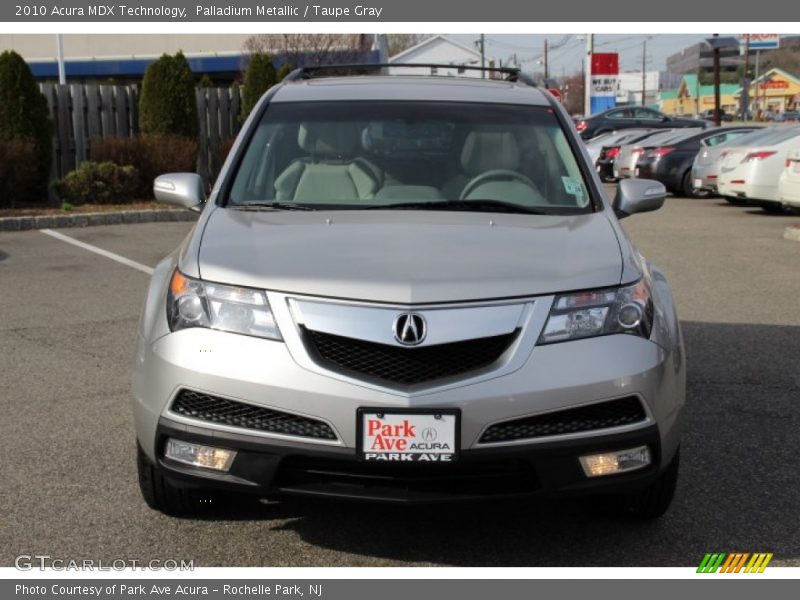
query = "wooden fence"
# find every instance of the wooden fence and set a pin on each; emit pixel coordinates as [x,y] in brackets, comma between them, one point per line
[218,111]
[85,112]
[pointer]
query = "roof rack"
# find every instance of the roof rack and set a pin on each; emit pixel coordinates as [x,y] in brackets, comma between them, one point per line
[511,73]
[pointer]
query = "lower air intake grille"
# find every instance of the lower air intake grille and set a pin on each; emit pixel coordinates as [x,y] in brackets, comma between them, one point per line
[247,416]
[602,415]
[406,366]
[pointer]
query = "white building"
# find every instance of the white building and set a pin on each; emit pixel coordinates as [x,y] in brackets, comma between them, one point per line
[441,50]
[629,87]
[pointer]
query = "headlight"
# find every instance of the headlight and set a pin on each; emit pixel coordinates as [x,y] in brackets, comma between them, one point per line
[626,309]
[195,303]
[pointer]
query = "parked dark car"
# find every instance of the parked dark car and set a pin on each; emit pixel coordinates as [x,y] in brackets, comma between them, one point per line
[671,164]
[787,117]
[605,161]
[627,117]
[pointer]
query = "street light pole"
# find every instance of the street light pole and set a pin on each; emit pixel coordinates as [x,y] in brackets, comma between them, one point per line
[62,75]
[746,80]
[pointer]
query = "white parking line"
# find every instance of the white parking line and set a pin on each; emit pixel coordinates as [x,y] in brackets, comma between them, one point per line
[120,259]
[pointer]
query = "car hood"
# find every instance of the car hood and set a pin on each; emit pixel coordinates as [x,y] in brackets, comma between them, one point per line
[409,257]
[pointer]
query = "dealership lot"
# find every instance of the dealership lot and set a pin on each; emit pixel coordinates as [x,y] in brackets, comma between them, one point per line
[68,482]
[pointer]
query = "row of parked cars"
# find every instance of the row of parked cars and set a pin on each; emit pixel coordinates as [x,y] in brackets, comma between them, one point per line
[742,163]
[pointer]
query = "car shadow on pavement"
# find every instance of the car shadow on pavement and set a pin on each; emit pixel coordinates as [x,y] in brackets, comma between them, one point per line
[738,488]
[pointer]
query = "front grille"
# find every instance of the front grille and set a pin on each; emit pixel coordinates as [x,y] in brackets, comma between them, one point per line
[415,481]
[602,415]
[406,366]
[222,411]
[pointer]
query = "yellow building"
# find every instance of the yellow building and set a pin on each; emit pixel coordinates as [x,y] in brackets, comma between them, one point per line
[692,98]
[775,91]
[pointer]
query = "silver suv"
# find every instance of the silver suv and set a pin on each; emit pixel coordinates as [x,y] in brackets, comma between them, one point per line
[408,288]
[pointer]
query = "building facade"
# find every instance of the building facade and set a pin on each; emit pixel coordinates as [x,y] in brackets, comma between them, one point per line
[441,50]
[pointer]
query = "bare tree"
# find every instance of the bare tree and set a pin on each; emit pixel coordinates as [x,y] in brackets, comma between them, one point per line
[398,42]
[572,93]
[310,49]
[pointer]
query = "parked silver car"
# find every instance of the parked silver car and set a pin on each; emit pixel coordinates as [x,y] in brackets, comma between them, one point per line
[408,289]
[612,138]
[705,169]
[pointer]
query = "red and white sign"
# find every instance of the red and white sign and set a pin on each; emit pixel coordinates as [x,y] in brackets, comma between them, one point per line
[760,41]
[605,72]
[556,94]
[404,437]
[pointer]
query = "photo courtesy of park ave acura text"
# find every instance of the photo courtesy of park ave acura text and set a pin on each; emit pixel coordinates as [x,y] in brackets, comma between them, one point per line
[278,296]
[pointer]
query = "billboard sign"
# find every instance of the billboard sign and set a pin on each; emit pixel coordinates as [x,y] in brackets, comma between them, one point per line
[605,71]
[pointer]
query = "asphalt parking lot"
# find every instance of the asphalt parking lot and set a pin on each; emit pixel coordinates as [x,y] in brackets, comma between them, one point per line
[68,479]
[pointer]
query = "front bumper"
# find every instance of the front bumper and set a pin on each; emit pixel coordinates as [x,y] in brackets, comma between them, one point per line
[547,379]
[272,468]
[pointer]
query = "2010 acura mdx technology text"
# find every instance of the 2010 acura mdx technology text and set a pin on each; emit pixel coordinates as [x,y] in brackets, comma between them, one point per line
[408,289]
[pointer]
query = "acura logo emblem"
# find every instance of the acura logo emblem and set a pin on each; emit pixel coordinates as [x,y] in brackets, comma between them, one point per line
[410,329]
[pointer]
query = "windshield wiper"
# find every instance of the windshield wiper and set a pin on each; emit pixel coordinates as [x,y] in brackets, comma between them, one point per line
[463,206]
[271,206]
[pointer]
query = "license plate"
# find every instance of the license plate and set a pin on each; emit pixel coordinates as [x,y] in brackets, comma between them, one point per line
[698,183]
[427,436]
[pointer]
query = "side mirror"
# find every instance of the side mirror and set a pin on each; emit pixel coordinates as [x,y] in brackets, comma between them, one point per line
[638,196]
[180,189]
[665,118]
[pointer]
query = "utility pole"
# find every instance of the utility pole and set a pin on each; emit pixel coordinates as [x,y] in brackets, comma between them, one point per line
[746,81]
[483,56]
[587,80]
[756,107]
[546,71]
[717,115]
[644,72]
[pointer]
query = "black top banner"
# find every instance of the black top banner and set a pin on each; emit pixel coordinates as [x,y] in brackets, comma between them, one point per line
[382,11]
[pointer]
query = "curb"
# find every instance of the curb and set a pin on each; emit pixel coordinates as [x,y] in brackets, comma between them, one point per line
[92,219]
[792,233]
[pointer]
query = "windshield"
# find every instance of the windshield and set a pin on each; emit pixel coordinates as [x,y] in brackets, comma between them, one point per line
[438,155]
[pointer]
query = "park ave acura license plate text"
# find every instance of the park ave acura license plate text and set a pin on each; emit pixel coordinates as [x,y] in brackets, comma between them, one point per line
[408,437]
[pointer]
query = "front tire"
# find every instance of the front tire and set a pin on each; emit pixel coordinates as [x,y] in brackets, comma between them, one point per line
[163,496]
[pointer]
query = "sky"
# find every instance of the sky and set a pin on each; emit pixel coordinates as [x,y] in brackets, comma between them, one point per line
[567,58]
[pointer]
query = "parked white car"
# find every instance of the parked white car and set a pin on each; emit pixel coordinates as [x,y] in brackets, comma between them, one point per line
[705,170]
[751,173]
[789,183]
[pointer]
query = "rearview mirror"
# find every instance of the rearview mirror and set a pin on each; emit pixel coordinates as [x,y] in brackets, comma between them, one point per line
[180,189]
[638,196]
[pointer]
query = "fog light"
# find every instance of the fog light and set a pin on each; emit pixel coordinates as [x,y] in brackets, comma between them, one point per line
[620,461]
[196,455]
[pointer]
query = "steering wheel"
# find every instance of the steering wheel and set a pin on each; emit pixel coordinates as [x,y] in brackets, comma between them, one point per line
[494,174]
